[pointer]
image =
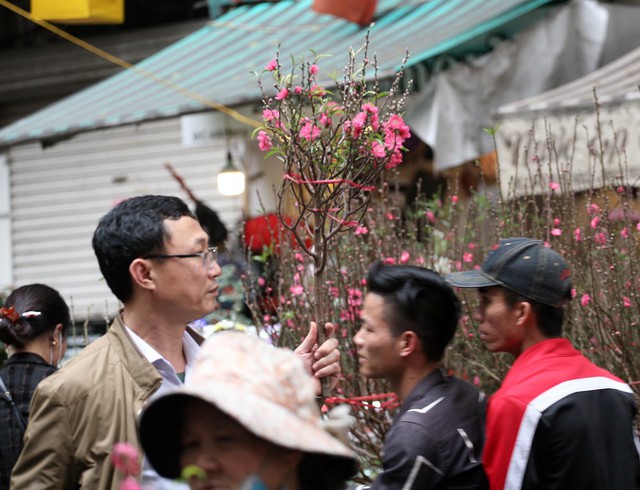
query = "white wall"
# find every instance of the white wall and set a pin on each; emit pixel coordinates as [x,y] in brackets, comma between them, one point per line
[6,273]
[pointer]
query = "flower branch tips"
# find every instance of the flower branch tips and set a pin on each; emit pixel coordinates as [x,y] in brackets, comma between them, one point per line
[335,139]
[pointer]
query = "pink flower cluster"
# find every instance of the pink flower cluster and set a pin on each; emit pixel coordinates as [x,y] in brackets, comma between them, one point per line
[328,125]
[124,458]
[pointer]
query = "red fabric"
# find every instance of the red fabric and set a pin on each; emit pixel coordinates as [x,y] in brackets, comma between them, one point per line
[536,370]
[263,231]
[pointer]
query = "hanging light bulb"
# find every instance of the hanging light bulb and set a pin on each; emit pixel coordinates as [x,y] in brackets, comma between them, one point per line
[230,179]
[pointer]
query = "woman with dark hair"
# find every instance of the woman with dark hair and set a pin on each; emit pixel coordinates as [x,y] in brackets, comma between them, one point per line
[33,324]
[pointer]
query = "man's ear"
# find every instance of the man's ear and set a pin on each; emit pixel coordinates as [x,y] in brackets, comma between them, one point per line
[409,342]
[142,273]
[524,312]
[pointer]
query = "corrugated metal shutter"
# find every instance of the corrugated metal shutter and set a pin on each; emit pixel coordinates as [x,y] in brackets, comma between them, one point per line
[58,195]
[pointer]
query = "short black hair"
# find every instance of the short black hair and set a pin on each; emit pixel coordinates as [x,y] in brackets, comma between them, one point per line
[419,300]
[549,318]
[40,298]
[134,228]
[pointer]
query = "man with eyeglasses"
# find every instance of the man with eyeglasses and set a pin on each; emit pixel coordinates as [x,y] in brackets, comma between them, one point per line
[155,258]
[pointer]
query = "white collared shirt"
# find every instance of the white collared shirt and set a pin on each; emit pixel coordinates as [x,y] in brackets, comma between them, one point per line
[170,380]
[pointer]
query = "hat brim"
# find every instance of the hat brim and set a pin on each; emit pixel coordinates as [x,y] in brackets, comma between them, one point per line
[161,422]
[471,279]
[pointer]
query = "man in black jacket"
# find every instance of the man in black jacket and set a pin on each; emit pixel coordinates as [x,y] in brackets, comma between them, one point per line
[409,316]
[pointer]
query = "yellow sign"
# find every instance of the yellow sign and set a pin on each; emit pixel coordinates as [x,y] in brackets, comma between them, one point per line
[79,11]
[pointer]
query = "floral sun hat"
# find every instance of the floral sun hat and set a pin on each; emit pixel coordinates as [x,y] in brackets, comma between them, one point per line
[264,388]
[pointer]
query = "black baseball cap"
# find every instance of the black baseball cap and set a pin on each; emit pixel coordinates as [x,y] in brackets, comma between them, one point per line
[522,265]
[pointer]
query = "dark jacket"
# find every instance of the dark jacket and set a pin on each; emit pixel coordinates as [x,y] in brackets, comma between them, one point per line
[436,440]
[21,374]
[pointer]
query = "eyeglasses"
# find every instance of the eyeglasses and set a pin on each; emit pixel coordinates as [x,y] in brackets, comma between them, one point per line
[209,256]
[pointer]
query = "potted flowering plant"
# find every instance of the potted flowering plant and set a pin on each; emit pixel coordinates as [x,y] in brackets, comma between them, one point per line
[334,144]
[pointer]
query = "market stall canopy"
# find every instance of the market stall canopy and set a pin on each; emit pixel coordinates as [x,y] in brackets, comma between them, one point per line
[454,112]
[214,63]
[596,115]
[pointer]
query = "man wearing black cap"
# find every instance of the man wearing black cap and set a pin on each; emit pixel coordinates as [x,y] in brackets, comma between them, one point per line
[558,421]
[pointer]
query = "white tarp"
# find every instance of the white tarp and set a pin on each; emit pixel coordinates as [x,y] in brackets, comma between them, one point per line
[582,149]
[452,110]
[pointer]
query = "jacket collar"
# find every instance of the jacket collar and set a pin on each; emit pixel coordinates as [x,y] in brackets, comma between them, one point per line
[437,376]
[26,357]
[141,370]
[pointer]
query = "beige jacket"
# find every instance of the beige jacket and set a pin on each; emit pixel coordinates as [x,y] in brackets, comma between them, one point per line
[80,412]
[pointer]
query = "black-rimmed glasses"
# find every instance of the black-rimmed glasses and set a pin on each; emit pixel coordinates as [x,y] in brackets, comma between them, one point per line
[209,256]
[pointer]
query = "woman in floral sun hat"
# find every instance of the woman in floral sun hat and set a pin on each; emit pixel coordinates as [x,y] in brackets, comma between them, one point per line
[247,420]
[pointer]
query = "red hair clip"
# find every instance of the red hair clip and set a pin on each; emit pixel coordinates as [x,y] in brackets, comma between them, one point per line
[10,313]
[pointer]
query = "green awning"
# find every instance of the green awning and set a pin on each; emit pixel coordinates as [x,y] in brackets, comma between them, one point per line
[216,61]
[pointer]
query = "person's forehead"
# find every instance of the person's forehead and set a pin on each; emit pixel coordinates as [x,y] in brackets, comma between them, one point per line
[184,231]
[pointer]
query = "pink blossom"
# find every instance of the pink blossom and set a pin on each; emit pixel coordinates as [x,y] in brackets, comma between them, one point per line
[404,257]
[358,122]
[554,186]
[600,239]
[347,316]
[396,124]
[624,233]
[317,91]
[420,260]
[282,94]
[467,257]
[309,131]
[272,65]
[296,290]
[594,223]
[556,221]
[124,458]
[556,232]
[299,257]
[261,281]
[626,302]
[638,226]
[313,69]
[270,114]
[593,208]
[389,261]
[325,120]
[584,301]
[266,319]
[264,141]
[355,297]
[373,114]
[620,189]
[394,160]
[297,90]
[390,216]
[430,216]
[361,230]
[454,199]
[378,150]
[129,483]
[574,293]
[577,234]
[471,246]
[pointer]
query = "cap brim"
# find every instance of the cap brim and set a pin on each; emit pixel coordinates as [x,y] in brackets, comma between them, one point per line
[470,279]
